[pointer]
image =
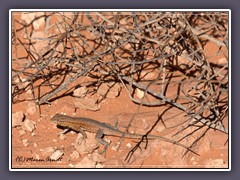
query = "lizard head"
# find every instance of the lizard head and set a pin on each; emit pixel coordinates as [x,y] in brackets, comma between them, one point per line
[56,118]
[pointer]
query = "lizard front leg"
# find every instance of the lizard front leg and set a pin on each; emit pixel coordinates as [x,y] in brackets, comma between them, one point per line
[80,130]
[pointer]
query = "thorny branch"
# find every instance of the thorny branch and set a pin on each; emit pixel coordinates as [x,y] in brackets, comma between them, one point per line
[154,52]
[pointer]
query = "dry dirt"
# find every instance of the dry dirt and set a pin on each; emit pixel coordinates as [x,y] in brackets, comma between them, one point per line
[36,142]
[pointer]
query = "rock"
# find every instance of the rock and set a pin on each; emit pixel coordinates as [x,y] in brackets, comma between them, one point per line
[215,163]
[25,142]
[56,155]
[116,146]
[40,22]
[145,124]
[37,156]
[79,138]
[68,15]
[31,108]
[99,166]
[129,145]
[193,161]
[28,17]
[222,61]
[98,158]
[86,162]
[123,21]
[160,128]
[148,75]
[114,163]
[17,119]
[87,104]
[47,151]
[40,42]
[28,125]
[80,92]
[74,155]
[23,84]
[62,136]
[88,145]
[109,90]
[21,132]
[139,93]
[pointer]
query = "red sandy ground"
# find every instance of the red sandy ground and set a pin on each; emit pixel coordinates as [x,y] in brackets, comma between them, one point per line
[213,147]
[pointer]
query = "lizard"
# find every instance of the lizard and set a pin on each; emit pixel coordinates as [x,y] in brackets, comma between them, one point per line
[81,124]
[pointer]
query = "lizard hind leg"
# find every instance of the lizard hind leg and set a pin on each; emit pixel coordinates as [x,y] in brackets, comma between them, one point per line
[99,138]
